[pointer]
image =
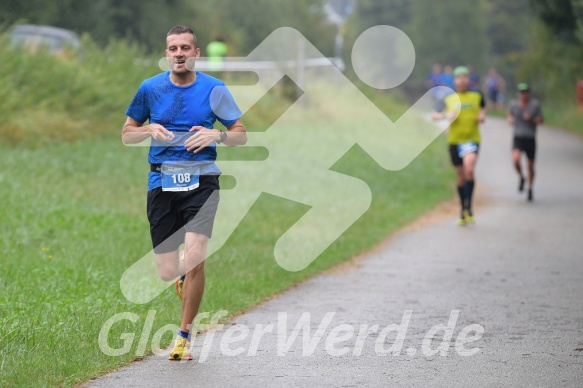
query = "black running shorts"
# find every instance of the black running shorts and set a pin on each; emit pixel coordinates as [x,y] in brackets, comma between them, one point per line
[526,145]
[172,214]
[456,159]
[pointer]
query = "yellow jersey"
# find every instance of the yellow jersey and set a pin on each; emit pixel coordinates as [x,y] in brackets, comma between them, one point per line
[465,127]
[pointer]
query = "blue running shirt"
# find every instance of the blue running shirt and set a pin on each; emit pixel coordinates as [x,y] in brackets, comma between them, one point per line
[179,108]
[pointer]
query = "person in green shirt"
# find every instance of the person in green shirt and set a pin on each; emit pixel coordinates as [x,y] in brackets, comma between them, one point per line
[216,51]
[464,135]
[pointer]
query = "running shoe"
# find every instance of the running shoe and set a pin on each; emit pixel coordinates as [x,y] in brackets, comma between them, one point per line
[462,220]
[469,217]
[521,185]
[178,285]
[530,195]
[181,350]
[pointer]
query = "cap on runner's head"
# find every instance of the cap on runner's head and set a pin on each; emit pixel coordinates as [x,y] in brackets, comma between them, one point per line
[523,87]
[461,70]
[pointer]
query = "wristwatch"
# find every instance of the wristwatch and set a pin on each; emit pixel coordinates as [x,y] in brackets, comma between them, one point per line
[223,137]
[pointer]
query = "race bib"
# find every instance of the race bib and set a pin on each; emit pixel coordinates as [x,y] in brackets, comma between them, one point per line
[179,176]
[466,148]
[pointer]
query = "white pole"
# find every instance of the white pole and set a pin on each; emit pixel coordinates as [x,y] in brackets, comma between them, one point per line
[301,65]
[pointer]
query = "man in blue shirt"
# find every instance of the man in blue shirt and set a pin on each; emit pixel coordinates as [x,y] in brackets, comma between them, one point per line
[181,107]
[434,80]
[447,77]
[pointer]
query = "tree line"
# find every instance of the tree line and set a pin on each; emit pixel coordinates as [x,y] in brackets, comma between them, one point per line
[534,40]
[539,41]
[244,23]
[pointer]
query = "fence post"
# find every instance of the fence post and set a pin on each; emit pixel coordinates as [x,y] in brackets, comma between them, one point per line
[301,65]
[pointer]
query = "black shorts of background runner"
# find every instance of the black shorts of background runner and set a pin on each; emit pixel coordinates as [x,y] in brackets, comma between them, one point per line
[456,160]
[526,145]
[172,214]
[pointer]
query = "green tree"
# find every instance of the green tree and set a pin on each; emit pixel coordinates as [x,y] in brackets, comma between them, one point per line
[452,32]
[369,13]
[245,23]
[562,17]
[508,32]
[145,22]
[553,58]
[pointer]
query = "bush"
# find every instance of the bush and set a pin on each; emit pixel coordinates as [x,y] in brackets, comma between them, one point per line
[48,99]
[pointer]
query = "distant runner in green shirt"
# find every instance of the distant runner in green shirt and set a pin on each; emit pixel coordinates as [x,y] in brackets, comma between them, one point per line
[463,136]
[524,114]
[216,51]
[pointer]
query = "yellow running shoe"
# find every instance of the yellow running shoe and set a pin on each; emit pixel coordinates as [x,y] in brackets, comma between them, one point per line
[178,285]
[469,217]
[462,221]
[181,350]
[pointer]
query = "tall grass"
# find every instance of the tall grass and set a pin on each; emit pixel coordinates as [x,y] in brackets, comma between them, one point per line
[566,116]
[73,219]
[47,99]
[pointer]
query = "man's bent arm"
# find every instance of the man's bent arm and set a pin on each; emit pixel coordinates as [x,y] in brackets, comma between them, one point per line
[134,132]
[236,134]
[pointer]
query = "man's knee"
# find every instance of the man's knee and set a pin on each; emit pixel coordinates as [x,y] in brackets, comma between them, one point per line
[469,165]
[459,171]
[167,273]
[468,172]
[516,156]
[167,264]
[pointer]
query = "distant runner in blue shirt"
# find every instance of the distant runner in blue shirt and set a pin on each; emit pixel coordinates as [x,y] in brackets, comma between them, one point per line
[447,77]
[434,80]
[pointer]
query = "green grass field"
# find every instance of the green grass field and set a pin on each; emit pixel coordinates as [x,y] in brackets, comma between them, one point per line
[564,117]
[73,220]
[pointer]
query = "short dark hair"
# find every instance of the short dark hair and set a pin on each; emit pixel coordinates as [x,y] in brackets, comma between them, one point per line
[182,30]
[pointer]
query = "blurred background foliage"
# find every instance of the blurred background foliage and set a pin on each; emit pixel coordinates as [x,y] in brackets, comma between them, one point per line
[537,41]
[244,23]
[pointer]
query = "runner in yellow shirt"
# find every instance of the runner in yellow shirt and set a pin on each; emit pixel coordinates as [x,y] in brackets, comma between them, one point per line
[463,136]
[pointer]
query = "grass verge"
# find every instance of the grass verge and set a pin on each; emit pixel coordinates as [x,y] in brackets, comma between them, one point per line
[565,117]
